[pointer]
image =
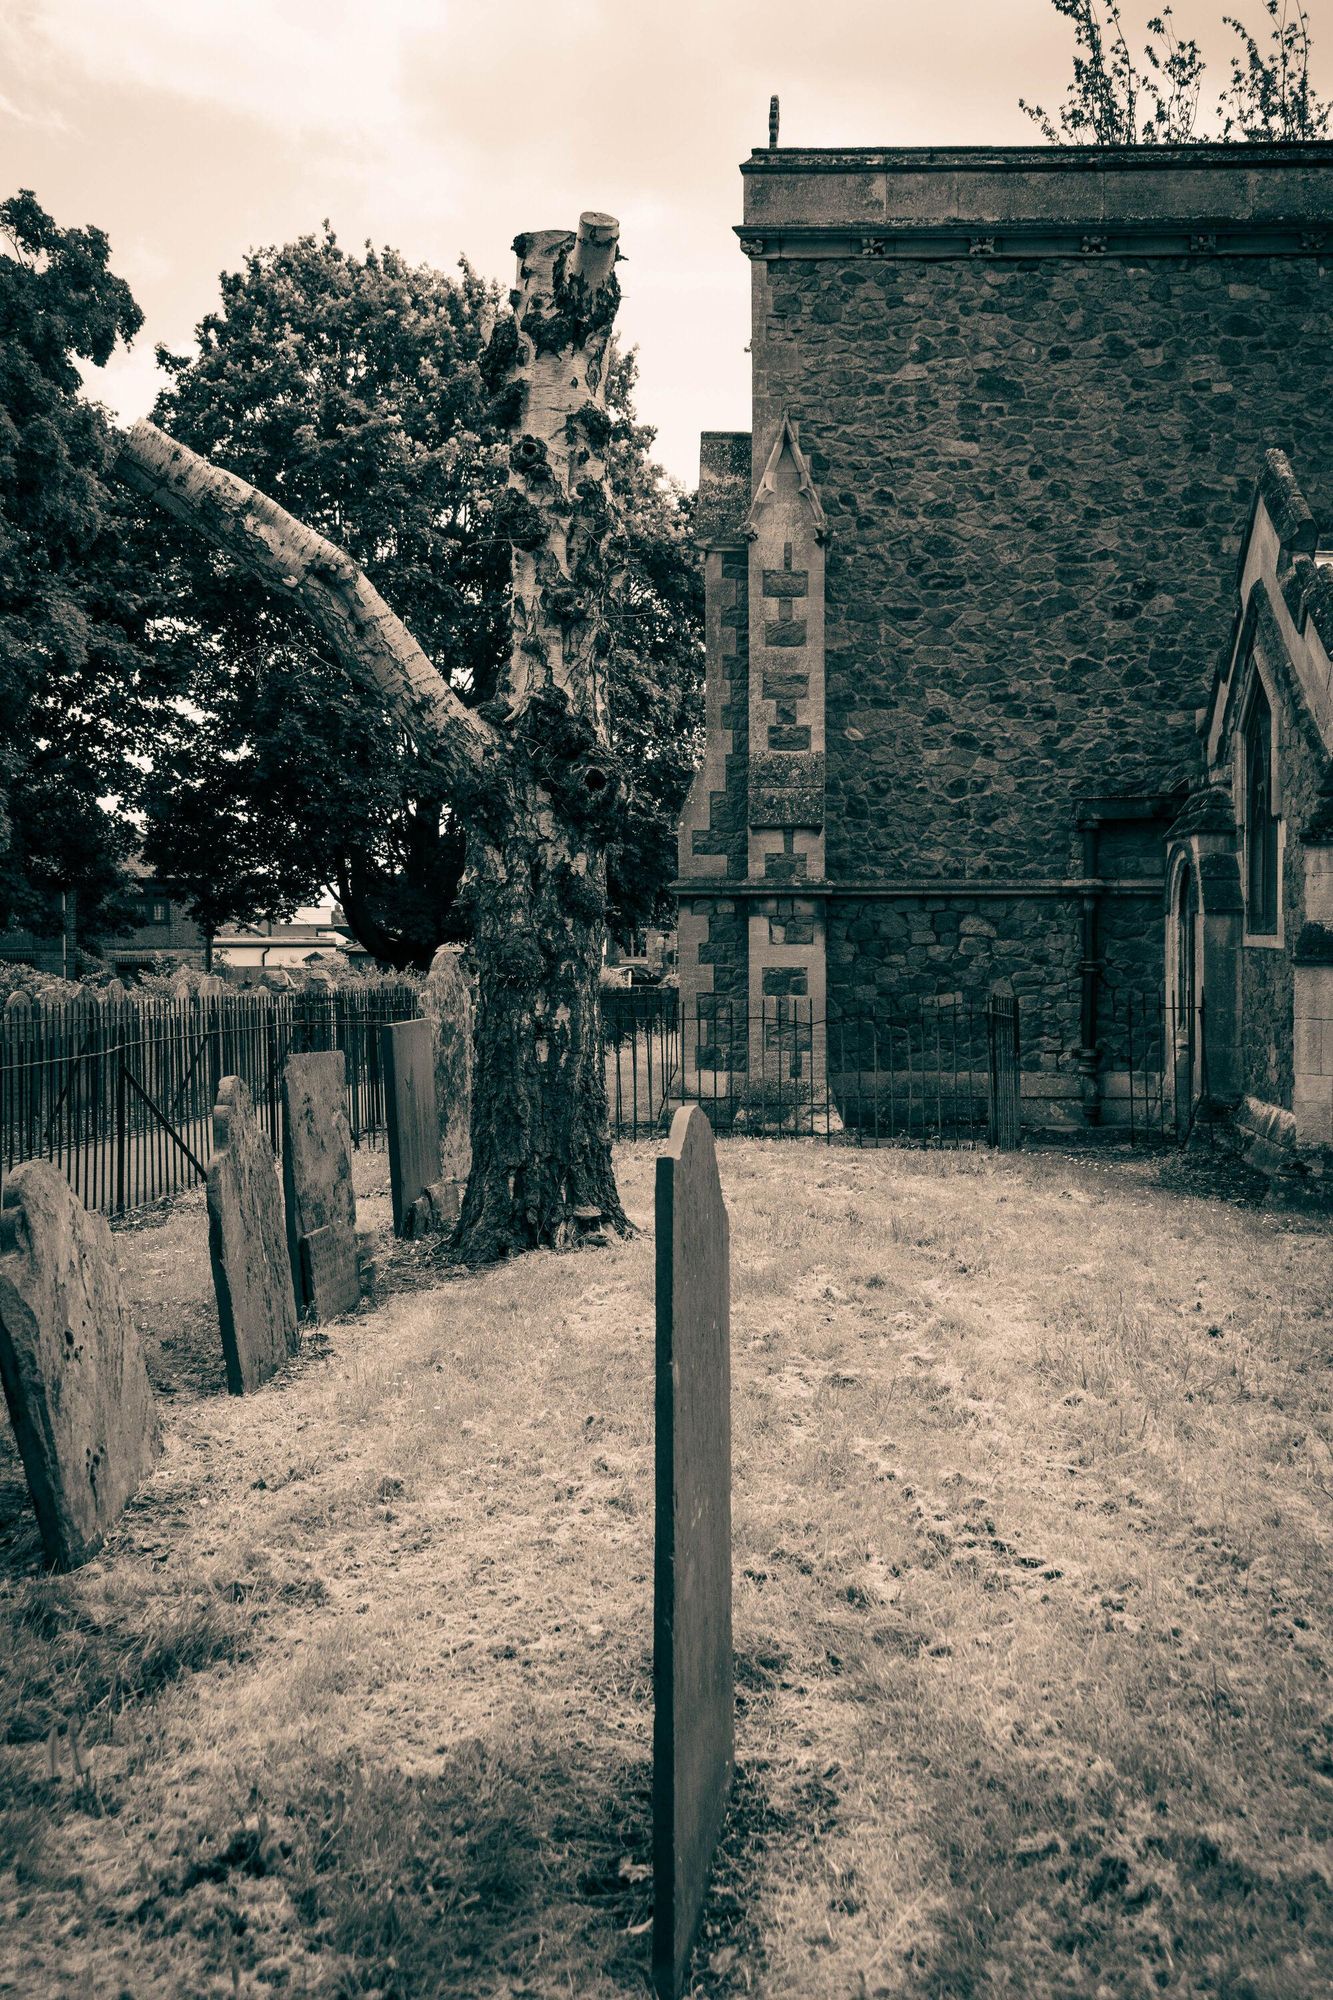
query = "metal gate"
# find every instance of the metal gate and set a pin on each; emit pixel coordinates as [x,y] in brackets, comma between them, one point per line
[944,1073]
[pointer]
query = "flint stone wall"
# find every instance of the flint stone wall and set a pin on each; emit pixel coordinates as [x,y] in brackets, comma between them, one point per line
[1060,459]
[1034,389]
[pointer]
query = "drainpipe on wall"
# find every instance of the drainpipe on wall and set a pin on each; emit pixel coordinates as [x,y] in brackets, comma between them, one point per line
[1089,1069]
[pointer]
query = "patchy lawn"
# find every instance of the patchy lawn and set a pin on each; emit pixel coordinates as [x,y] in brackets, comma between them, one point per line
[1032,1514]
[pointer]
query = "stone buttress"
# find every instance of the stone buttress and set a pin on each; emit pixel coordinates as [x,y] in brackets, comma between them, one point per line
[751,932]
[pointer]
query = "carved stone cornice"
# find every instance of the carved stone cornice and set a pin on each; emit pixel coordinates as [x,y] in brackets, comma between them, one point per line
[1135,240]
[694,888]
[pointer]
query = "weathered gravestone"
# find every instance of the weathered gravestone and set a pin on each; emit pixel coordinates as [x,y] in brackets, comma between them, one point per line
[694,1702]
[317,1184]
[247,1244]
[413,1121]
[73,1369]
[447,1003]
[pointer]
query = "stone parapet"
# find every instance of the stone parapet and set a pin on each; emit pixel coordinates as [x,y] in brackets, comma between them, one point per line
[1085,201]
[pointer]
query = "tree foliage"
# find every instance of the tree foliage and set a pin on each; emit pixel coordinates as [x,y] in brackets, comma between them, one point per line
[77,690]
[1116,98]
[349,388]
[1270,95]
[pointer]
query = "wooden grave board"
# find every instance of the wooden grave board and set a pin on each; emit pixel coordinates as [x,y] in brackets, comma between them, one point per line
[693,1691]
[247,1245]
[411,1115]
[83,1412]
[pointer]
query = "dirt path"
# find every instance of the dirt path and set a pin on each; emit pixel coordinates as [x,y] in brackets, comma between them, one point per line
[1032,1546]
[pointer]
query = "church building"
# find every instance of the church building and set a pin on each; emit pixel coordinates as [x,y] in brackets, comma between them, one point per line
[968,579]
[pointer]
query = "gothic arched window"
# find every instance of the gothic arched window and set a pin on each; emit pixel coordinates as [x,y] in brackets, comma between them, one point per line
[1260,820]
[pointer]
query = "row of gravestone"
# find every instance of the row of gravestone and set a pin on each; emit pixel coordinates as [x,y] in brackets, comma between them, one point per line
[88,1431]
[71,1361]
[70,1358]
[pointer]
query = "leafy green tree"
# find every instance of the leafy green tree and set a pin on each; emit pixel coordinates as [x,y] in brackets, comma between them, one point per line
[1114,99]
[77,689]
[350,389]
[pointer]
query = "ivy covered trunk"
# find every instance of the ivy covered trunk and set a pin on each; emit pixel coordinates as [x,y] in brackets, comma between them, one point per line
[536,881]
[541,1158]
[529,773]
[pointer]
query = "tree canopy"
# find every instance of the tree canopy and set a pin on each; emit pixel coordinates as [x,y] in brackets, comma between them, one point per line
[1116,98]
[351,390]
[78,688]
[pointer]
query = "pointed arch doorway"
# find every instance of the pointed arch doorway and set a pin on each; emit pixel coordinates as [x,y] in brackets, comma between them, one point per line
[1185,1000]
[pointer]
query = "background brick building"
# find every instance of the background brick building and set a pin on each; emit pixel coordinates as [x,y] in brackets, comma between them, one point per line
[969,575]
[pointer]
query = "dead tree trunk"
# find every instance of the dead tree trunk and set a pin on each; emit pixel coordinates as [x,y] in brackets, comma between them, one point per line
[536,880]
[530,774]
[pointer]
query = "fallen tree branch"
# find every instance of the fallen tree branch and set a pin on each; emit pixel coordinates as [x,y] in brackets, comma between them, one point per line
[335,594]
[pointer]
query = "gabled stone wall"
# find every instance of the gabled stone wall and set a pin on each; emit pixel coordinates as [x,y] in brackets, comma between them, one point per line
[1030,388]
[1283,638]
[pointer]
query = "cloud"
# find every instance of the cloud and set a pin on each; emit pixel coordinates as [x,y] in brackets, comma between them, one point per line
[48,120]
[327,67]
[129,383]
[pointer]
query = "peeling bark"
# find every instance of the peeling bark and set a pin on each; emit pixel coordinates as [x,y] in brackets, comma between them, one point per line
[530,774]
[336,595]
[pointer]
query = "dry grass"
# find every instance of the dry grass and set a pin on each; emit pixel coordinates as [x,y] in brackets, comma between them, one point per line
[1032,1552]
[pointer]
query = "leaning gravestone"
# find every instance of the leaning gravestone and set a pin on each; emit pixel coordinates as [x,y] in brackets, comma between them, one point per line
[247,1244]
[412,1117]
[447,1003]
[73,1369]
[317,1184]
[694,1701]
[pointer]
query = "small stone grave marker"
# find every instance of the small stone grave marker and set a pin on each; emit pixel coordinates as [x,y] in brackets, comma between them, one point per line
[328,1283]
[247,1244]
[317,1183]
[72,1366]
[412,1116]
[447,1003]
[693,1692]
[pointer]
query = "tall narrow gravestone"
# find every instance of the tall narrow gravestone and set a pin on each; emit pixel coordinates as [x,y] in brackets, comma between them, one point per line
[247,1244]
[317,1184]
[694,1701]
[446,1001]
[73,1369]
[412,1116]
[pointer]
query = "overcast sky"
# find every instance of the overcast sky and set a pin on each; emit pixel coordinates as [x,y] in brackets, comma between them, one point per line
[192,130]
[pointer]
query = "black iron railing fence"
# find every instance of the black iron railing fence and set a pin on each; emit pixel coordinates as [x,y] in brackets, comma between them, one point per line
[944,1073]
[1153,1067]
[119,1095]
